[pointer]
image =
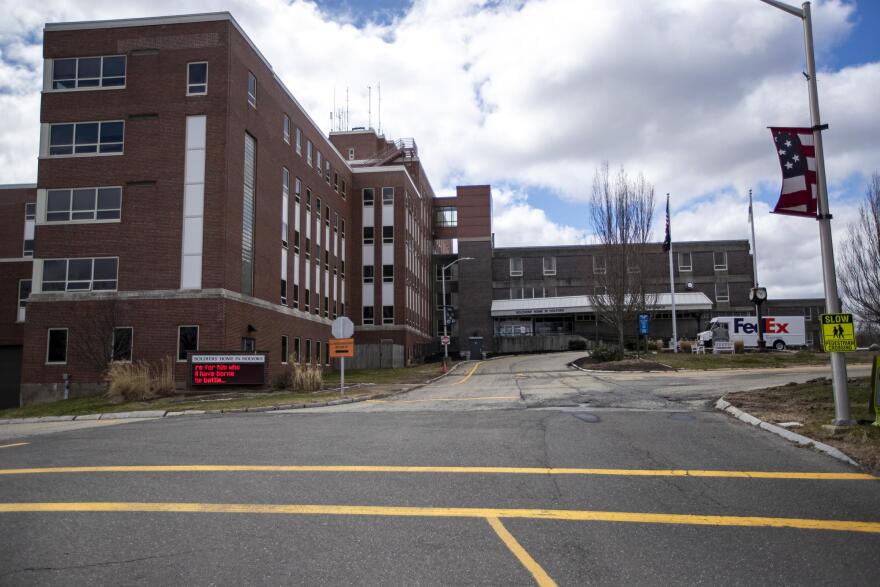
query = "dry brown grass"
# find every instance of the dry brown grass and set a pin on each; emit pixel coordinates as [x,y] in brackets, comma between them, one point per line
[139,381]
[685,346]
[738,347]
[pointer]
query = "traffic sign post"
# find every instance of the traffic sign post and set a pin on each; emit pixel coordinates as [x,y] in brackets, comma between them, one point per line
[644,323]
[838,333]
[444,340]
[875,390]
[342,330]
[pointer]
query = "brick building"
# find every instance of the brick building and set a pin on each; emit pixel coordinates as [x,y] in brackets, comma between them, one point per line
[186,201]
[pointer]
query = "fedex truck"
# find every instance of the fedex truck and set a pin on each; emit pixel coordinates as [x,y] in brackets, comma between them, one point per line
[779,331]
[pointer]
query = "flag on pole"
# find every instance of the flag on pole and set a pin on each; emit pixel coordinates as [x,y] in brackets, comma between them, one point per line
[797,159]
[667,242]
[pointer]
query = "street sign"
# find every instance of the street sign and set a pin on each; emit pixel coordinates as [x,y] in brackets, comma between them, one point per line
[208,369]
[341,347]
[342,327]
[644,321]
[838,333]
[444,340]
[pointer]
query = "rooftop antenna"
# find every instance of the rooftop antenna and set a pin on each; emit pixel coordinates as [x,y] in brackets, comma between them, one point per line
[347,127]
[369,106]
[379,88]
[333,111]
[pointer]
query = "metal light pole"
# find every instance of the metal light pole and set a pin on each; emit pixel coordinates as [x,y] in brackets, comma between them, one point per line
[832,301]
[445,318]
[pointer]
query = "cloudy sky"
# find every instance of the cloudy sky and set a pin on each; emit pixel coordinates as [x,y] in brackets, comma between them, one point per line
[531,96]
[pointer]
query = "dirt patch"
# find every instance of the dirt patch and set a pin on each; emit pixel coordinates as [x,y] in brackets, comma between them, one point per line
[624,365]
[812,404]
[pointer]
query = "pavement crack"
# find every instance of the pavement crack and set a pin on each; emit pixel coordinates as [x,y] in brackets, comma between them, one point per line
[95,565]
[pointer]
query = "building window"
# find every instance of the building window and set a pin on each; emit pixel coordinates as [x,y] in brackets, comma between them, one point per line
[84,204]
[308,200]
[285,129]
[80,274]
[318,158]
[86,138]
[248,215]
[342,189]
[446,216]
[326,307]
[30,214]
[549,265]
[685,262]
[297,189]
[600,290]
[88,72]
[387,314]
[308,356]
[369,196]
[599,266]
[248,344]
[335,181]
[327,170]
[318,346]
[326,260]
[295,242]
[296,350]
[720,260]
[24,292]
[283,349]
[368,314]
[342,268]
[449,274]
[387,196]
[351,153]
[722,292]
[808,313]
[327,216]
[295,295]
[123,338]
[197,79]
[308,249]
[342,227]
[308,152]
[56,346]
[283,291]
[298,141]
[187,341]
[307,300]
[252,90]
[369,235]
[516,266]
[388,273]
[388,235]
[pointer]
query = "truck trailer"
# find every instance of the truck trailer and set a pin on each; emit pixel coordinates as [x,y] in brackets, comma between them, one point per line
[780,332]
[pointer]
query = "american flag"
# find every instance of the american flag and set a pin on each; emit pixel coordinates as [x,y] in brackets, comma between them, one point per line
[667,242]
[797,159]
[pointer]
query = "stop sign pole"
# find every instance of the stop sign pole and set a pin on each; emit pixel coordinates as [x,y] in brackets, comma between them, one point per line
[342,327]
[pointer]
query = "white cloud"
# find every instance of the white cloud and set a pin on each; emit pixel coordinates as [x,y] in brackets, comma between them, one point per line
[537,93]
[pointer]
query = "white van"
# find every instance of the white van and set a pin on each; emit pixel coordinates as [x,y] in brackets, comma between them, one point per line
[779,331]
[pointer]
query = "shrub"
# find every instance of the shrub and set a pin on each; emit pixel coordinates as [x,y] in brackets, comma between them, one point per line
[685,346]
[658,345]
[605,352]
[577,344]
[140,381]
[306,378]
[738,347]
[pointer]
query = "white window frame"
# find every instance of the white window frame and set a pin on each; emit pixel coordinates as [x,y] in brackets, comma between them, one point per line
[66,345]
[190,84]
[252,96]
[388,201]
[21,309]
[722,298]
[285,128]
[722,266]
[516,272]
[364,316]
[308,152]
[298,141]
[67,281]
[351,153]
[808,313]
[388,320]
[94,220]
[113,345]
[597,269]
[682,267]
[550,271]
[198,336]
[97,152]
[51,81]
[285,342]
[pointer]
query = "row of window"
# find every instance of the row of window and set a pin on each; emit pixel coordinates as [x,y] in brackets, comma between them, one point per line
[719,259]
[89,274]
[85,138]
[387,315]
[722,293]
[685,263]
[387,235]
[369,195]
[387,273]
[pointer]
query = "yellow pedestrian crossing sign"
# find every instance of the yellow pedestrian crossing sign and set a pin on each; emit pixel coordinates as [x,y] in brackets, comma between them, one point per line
[838,333]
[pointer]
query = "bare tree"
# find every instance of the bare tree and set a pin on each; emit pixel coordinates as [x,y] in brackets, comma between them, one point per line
[860,261]
[621,210]
[92,342]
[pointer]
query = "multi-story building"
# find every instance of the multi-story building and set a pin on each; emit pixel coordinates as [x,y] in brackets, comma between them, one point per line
[186,201]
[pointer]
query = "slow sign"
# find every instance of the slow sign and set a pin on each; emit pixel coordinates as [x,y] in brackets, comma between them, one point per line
[227,369]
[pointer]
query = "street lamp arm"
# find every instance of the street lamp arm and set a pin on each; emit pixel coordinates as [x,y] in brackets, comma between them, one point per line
[798,12]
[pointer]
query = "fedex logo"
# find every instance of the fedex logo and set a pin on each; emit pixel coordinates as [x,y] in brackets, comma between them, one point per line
[771,326]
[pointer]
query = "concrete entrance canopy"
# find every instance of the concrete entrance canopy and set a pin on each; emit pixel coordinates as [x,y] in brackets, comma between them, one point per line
[684,302]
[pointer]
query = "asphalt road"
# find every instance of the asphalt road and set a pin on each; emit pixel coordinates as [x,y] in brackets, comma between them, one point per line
[518,471]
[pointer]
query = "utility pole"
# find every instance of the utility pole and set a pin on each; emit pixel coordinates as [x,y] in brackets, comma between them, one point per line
[445,306]
[829,274]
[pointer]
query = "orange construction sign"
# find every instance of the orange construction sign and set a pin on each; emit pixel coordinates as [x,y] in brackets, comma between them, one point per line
[341,347]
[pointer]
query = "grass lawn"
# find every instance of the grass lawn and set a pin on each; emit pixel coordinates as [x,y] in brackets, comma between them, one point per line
[234,400]
[812,404]
[751,360]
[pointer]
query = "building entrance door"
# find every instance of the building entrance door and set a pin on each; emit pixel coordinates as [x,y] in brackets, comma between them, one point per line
[475,346]
[10,382]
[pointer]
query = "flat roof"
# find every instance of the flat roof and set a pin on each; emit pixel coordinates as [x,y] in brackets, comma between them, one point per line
[684,301]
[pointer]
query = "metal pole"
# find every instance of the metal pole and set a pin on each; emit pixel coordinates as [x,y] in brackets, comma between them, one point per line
[829,275]
[760,319]
[445,318]
[342,377]
[672,291]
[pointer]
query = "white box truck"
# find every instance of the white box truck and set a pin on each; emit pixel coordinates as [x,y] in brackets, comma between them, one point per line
[779,331]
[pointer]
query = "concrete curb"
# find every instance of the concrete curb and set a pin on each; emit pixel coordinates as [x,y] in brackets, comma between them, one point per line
[279,408]
[726,406]
[671,370]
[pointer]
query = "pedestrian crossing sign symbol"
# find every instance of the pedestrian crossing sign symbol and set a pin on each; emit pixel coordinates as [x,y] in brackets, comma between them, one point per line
[838,333]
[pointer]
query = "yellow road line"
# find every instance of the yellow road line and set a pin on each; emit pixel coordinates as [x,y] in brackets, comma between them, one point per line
[13,445]
[444,470]
[541,577]
[468,376]
[434,512]
[441,399]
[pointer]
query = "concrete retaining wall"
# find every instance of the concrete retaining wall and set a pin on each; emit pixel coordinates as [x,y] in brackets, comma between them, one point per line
[535,344]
